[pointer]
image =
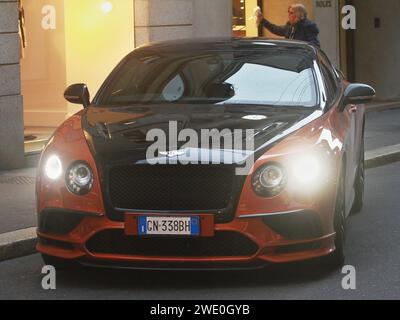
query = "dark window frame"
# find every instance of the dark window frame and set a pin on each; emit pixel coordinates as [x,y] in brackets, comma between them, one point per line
[331,79]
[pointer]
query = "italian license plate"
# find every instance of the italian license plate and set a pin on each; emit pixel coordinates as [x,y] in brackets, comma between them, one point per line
[176,226]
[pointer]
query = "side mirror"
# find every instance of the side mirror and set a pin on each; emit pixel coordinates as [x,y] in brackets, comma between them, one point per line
[357,93]
[78,94]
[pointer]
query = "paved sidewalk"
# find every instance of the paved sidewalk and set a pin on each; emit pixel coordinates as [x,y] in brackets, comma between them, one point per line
[17,188]
[382,129]
[17,200]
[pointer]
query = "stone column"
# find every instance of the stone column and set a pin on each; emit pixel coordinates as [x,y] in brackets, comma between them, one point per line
[212,18]
[11,112]
[159,20]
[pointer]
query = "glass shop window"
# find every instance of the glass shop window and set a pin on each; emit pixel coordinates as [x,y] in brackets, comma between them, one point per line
[243,24]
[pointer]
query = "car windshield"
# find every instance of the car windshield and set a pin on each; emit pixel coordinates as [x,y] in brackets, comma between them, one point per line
[259,77]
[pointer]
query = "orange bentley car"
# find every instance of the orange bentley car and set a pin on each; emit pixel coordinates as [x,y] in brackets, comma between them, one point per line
[112,193]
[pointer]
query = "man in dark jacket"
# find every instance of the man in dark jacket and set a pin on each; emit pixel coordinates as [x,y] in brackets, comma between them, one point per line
[298,27]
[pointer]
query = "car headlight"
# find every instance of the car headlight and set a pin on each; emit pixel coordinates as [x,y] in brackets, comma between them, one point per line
[53,167]
[306,169]
[269,180]
[79,178]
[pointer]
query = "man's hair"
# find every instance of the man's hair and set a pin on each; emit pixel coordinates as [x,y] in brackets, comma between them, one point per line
[299,10]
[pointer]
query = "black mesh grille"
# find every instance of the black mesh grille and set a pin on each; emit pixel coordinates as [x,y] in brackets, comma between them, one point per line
[296,226]
[223,244]
[58,221]
[171,187]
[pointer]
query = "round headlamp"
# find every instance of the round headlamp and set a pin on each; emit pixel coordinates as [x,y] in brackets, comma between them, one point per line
[269,180]
[79,178]
[53,167]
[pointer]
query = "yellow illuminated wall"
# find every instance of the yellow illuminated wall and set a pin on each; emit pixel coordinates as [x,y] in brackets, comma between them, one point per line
[43,73]
[251,29]
[88,39]
[98,34]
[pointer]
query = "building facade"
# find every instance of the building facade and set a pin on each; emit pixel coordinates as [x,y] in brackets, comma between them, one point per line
[11,106]
[46,45]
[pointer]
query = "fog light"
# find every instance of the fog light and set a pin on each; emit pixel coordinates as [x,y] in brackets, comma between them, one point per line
[53,167]
[79,178]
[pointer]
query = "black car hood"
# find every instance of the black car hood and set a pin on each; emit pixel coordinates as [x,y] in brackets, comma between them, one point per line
[118,134]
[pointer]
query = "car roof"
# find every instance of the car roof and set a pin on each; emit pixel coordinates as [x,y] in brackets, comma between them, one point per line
[229,43]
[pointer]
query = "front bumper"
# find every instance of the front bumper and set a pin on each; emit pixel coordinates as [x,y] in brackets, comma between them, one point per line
[248,242]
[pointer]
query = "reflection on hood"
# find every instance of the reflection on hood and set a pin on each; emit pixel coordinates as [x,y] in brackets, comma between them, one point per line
[119,133]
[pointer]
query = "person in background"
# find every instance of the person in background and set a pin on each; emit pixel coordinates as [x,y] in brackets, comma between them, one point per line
[299,27]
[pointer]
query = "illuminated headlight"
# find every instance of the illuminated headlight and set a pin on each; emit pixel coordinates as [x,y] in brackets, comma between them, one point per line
[269,180]
[306,169]
[53,167]
[79,178]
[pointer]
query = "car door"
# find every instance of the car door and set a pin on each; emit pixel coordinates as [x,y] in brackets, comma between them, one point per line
[349,120]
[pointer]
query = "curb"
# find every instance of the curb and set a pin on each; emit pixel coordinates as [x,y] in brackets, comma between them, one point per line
[23,242]
[17,243]
[374,107]
[382,156]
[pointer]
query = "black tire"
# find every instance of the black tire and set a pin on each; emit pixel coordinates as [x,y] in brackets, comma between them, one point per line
[336,259]
[58,263]
[360,182]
